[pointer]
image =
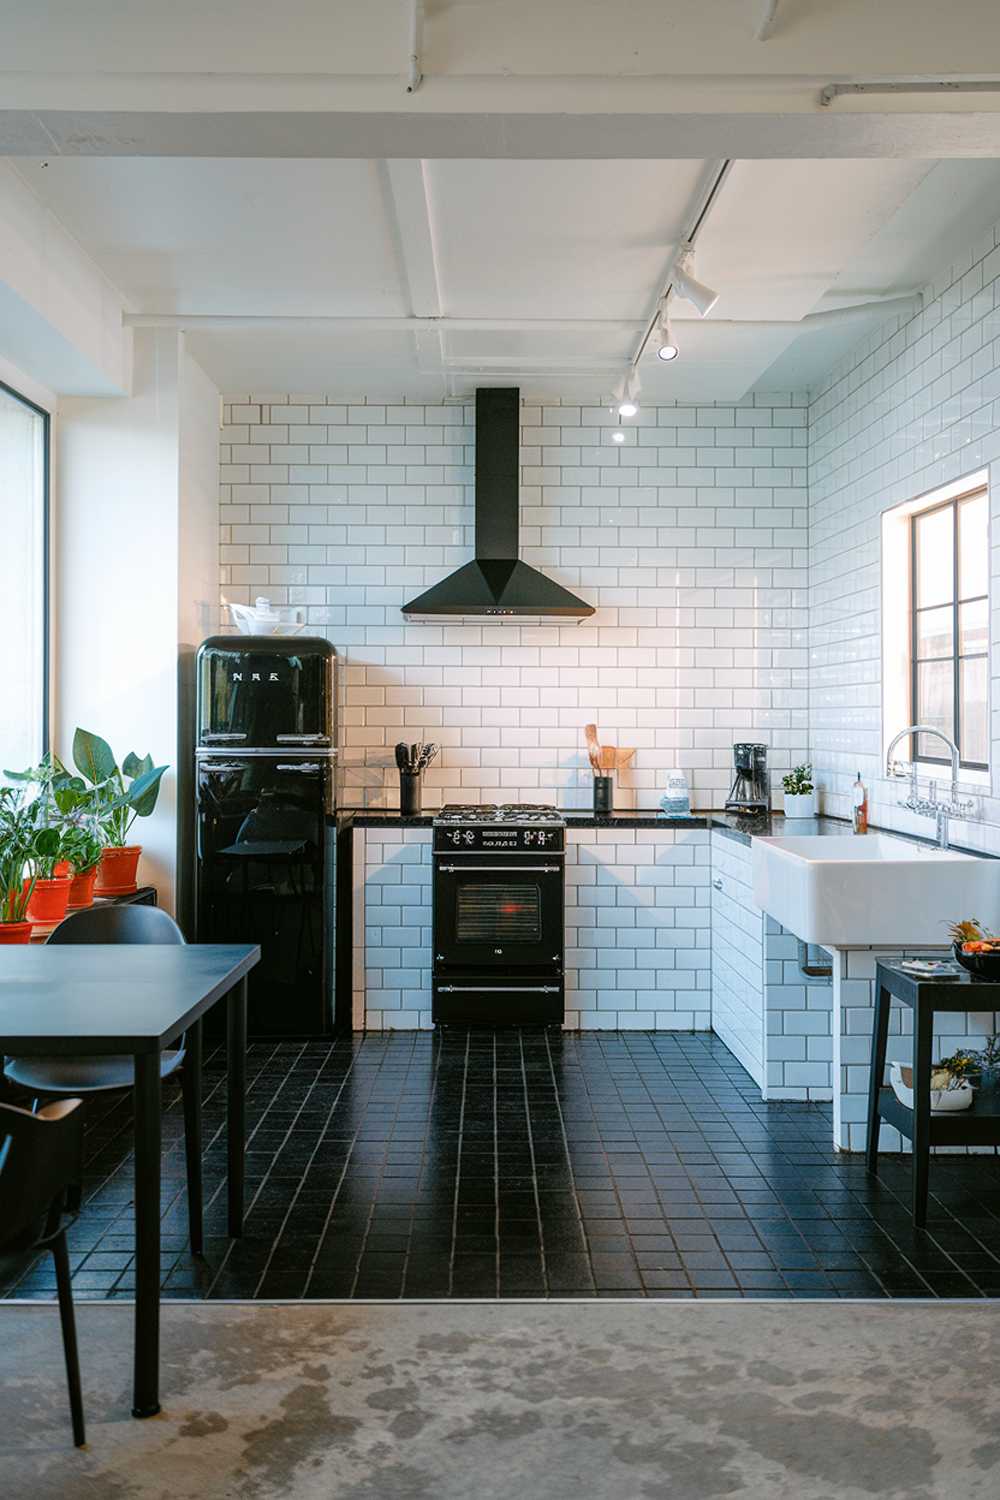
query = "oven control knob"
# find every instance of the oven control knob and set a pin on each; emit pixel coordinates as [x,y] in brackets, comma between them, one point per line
[542,837]
[470,837]
[497,950]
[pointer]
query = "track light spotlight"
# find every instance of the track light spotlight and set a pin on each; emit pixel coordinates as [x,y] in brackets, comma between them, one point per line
[686,285]
[627,395]
[666,345]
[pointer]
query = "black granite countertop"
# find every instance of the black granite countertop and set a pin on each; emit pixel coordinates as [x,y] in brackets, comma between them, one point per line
[733,825]
[737,826]
[743,828]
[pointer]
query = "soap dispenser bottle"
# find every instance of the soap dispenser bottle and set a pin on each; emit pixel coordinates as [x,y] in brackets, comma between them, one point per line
[860,807]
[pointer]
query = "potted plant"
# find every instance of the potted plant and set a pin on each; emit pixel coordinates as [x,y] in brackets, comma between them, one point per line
[800,793]
[48,895]
[15,841]
[82,850]
[46,816]
[122,794]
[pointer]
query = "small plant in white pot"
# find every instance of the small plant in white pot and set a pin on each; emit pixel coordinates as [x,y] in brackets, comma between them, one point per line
[800,793]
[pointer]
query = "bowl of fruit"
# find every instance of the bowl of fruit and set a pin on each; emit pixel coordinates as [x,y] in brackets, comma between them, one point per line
[977,950]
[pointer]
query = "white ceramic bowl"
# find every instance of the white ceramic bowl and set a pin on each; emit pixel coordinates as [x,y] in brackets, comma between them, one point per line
[943,1101]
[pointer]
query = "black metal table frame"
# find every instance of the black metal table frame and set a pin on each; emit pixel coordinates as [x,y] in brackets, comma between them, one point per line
[147,1126]
[148,1145]
[979,1126]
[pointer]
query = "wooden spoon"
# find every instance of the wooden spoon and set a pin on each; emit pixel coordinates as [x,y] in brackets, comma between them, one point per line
[593,748]
[609,757]
[623,756]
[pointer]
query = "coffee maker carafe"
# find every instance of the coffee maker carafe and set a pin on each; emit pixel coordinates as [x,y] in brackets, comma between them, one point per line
[750,791]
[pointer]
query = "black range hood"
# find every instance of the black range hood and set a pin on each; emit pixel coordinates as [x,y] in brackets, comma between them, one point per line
[496,585]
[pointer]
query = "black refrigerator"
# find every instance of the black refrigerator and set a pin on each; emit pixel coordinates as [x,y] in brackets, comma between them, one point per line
[265,779]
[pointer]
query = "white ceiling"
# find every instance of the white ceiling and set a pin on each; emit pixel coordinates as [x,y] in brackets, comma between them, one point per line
[512,241]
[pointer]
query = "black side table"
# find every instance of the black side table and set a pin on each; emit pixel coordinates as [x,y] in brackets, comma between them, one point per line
[977,1126]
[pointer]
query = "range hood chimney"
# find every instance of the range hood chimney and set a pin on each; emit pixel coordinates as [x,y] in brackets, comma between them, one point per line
[496,585]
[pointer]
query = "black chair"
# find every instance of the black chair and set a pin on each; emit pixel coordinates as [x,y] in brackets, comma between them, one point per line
[62,1076]
[40,1157]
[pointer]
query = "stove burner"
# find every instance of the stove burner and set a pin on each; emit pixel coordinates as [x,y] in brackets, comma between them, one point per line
[507,812]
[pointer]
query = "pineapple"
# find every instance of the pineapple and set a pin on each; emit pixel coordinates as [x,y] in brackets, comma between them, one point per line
[971,931]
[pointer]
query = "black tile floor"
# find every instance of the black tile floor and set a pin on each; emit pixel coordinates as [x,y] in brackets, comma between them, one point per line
[528,1164]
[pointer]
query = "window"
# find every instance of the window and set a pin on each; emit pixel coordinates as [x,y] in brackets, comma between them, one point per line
[949,627]
[24,486]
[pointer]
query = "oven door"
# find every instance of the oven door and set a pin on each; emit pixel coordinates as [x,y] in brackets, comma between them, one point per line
[492,911]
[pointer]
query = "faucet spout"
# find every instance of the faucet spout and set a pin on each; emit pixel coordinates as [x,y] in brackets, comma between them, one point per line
[890,764]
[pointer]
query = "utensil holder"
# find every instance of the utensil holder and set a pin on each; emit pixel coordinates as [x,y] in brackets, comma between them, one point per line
[604,798]
[409,793]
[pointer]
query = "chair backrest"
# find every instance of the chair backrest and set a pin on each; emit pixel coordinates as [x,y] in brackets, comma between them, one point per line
[40,1155]
[117,924]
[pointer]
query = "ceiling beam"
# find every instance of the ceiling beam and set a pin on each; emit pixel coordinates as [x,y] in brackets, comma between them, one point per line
[414,243]
[649,134]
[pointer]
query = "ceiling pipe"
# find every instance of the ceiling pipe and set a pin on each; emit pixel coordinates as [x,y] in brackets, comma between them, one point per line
[415,75]
[297,323]
[765,21]
[925,86]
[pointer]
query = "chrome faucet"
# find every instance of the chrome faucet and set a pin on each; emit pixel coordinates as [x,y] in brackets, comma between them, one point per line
[930,806]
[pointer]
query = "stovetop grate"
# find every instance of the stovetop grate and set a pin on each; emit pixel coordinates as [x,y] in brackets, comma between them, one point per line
[504,812]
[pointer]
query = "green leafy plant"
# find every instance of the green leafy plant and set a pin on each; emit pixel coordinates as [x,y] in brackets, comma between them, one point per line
[959,1065]
[123,793]
[27,851]
[798,782]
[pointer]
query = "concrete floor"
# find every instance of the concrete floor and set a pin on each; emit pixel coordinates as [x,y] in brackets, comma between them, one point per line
[612,1400]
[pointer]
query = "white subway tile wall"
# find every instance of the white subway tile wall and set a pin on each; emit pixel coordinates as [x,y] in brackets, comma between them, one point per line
[915,407]
[690,539]
[637,929]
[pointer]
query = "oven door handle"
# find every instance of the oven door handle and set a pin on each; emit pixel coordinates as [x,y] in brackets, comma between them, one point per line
[500,869]
[498,989]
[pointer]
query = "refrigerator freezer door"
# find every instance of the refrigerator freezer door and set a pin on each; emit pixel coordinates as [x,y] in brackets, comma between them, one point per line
[265,875]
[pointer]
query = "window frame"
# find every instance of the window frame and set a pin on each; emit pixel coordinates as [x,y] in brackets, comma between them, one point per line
[46,416]
[952,503]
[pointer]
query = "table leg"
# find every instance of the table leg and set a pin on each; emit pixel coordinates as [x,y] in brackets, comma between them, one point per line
[191,1086]
[923,1040]
[880,1039]
[146,1382]
[236,1103]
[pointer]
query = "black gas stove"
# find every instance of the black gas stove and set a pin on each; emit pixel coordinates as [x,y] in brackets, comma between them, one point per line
[499,914]
[514,826]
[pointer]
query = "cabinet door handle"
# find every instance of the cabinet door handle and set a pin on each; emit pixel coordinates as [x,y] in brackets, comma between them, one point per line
[717,884]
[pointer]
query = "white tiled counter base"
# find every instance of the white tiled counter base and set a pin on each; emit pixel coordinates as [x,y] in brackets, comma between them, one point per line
[637,929]
[770,1015]
[798,1043]
[737,956]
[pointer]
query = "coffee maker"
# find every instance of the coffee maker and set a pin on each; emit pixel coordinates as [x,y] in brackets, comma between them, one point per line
[750,791]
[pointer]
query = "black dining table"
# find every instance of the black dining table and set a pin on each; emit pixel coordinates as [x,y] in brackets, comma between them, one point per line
[71,1000]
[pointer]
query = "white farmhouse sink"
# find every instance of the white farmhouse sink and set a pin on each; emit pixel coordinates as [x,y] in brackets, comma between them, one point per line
[872,890]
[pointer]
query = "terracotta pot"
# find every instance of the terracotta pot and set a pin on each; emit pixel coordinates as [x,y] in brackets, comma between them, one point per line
[117,870]
[49,899]
[62,867]
[15,932]
[81,887]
